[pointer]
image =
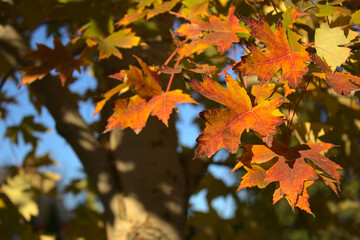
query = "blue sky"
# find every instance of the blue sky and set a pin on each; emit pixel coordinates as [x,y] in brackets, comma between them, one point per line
[69,165]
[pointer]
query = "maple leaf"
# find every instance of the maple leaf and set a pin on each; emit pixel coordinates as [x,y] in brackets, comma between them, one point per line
[225,126]
[222,34]
[342,83]
[58,58]
[254,177]
[145,83]
[327,41]
[130,112]
[291,175]
[290,169]
[162,105]
[133,112]
[123,38]
[279,54]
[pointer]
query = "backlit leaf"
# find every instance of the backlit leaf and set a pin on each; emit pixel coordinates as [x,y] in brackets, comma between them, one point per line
[278,54]
[145,83]
[291,169]
[225,126]
[123,38]
[130,112]
[254,177]
[162,105]
[327,41]
[216,32]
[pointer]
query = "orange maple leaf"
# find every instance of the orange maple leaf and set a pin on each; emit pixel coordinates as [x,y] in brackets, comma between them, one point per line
[222,34]
[133,112]
[225,126]
[162,105]
[279,54]
[145,83]
[129,112]
[303,200]
[290,169]
[342,83]
[58,58]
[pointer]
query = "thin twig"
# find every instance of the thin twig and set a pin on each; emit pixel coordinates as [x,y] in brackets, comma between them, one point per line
[292,118]
[276,9]
[226,69]
[288,116]
[173,53]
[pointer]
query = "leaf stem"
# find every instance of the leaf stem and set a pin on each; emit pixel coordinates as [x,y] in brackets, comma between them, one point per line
[257,95]
[82,52]
[173,53]
[171,56]
[172,75]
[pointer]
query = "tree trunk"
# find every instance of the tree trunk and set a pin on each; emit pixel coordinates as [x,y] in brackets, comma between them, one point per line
[152,183]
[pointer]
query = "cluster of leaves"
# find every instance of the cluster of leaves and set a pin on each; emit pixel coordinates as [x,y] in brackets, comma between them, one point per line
[284,53]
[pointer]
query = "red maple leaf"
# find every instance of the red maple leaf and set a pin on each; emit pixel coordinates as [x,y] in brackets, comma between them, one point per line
[291,169]
[225,126]
[279,54]
[342,83]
